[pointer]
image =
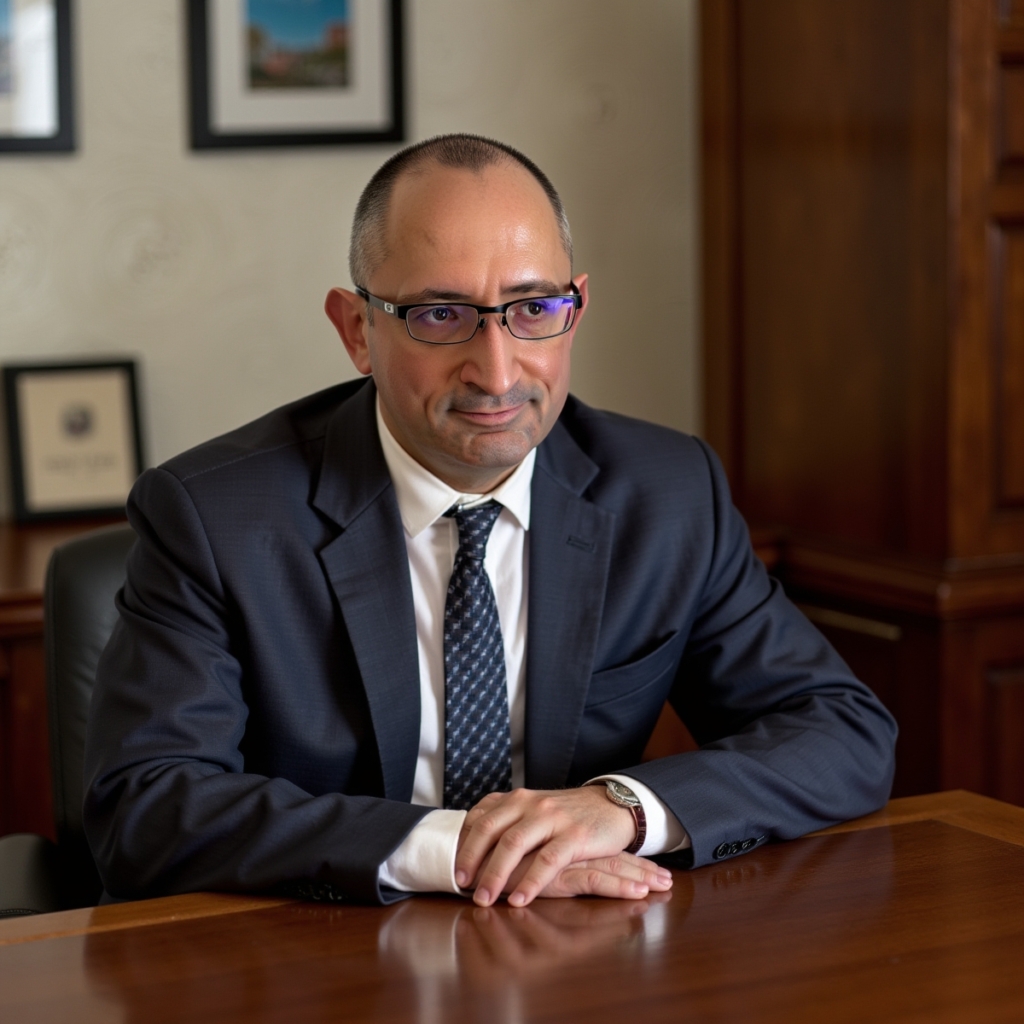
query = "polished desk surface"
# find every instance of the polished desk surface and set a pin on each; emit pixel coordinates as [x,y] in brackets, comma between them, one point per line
[912,914]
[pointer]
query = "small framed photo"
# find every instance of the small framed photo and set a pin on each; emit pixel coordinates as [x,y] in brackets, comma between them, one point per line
[295,72]
[35,76]
[73,437]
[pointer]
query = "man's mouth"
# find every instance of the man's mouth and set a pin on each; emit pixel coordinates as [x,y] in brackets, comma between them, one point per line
[492,417]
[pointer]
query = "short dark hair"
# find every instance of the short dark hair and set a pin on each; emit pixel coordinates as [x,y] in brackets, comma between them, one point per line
[469,152]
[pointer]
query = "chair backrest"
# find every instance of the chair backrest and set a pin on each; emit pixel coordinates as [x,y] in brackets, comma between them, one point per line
[83,577]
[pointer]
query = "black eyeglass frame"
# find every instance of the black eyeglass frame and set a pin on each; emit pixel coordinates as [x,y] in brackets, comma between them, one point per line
[402,313]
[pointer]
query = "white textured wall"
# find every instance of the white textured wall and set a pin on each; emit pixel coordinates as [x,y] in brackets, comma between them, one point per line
[212,267]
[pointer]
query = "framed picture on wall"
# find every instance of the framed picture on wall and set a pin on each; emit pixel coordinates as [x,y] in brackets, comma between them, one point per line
[35,76]
[73,437]
[295,72]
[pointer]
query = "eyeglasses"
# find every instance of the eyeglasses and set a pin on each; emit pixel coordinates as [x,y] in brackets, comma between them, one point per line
[449,323]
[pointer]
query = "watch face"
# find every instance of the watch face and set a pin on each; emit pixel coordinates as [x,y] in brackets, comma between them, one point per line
[622,794]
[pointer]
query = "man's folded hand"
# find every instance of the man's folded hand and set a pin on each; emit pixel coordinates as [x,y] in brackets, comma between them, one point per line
[531,843]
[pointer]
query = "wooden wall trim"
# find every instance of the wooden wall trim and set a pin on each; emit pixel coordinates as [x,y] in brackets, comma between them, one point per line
[939,590]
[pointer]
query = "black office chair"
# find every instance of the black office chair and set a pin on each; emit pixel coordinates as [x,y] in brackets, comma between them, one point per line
[79,614]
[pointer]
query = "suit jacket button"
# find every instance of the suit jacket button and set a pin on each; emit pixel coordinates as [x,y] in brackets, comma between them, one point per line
[735,848]
[721,851]
[748,843]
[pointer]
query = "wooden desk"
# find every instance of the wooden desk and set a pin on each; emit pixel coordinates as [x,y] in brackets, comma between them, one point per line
[913,914]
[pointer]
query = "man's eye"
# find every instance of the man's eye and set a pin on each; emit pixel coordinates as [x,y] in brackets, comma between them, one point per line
[434,315]
[539,307]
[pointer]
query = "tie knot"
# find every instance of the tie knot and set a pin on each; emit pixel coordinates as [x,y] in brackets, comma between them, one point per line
[475,526]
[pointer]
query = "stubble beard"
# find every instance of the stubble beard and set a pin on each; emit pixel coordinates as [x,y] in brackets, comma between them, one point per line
[502,448]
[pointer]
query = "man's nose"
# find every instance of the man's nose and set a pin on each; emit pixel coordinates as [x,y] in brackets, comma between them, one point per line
[491,362]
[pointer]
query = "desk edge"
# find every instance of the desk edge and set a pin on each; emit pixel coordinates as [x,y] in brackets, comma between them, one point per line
[958,807]
[138,914]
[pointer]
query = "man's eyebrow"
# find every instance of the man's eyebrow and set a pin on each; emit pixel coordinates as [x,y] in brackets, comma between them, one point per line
[432,295]
[537,287]
[543,287]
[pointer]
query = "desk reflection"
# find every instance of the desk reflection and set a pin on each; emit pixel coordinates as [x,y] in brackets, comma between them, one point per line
[481,959]
[433,959]
[431,955]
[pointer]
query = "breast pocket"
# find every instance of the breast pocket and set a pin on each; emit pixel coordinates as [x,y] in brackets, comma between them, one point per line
[623,703]
[628,682]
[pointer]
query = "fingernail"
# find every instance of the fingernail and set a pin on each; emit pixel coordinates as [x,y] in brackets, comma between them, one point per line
[482,896]
[640,889]
[461,878]
[517,899]
[664,872]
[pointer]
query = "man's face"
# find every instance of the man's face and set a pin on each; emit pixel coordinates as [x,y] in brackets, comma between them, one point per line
[470,412]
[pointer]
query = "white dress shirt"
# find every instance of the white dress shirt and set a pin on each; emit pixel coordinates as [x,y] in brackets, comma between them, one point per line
[425,861]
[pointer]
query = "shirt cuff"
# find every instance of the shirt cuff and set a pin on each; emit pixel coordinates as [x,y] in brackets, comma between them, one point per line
[664,833]
[425,860]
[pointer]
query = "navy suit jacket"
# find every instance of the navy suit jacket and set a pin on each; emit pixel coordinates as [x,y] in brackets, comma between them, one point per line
[255,722]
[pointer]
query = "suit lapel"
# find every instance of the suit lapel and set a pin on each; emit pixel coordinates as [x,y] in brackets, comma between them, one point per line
[368,569]
[570,550]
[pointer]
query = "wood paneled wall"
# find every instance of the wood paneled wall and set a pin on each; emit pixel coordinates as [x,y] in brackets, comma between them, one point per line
[863,245]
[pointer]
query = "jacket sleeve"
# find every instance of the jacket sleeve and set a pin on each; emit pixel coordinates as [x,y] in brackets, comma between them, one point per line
[169,806]
[790,741]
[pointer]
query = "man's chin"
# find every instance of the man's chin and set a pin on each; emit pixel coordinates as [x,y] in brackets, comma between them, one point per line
[491,450]
[503,449]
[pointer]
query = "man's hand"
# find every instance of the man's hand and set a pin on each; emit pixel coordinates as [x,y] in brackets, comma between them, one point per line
[567,842]
[623,877]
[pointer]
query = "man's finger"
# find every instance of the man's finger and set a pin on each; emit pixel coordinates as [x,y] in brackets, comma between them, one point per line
[639,869]
[592,881]
[484,805]
[550,859]
[501,827]
[526,839]
[637,875]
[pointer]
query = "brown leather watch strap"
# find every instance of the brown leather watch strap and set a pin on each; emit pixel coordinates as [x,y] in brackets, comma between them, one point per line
[641,829]
[632,804]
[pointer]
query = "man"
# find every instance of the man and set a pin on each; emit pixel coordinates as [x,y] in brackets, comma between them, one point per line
[385,638]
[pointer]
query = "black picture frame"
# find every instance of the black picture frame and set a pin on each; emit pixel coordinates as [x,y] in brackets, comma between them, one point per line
[63,140]
[204,135]
[29,509]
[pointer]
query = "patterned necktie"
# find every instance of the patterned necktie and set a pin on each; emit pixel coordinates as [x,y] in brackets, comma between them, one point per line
[477,740]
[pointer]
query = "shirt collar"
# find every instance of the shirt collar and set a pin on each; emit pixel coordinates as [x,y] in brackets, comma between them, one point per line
[423,498]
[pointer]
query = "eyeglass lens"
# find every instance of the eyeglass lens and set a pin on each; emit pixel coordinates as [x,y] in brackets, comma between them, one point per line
[530,319]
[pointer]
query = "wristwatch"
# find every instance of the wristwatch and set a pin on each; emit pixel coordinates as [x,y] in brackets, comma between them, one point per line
[625,797]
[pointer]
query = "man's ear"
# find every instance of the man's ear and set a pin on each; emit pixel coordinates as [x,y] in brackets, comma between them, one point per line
[347,311]
[582,284]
